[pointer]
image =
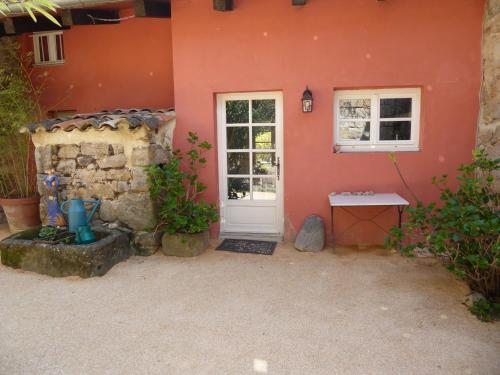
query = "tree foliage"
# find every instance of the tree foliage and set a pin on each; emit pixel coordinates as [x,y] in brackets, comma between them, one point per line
[464,229]
[44,7]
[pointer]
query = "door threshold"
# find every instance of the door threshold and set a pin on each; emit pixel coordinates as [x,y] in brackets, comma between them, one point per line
[251,236]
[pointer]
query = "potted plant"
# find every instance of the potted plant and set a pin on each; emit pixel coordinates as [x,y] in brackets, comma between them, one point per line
[184,217]
[18,106]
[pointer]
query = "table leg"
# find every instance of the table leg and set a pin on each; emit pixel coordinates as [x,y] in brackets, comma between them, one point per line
[400,221]
[400,216]
[333,233]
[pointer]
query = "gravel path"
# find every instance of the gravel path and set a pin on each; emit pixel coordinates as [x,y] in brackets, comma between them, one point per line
[352,312]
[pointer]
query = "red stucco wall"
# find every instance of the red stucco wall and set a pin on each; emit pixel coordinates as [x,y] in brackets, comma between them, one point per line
[328,44]
[126,65]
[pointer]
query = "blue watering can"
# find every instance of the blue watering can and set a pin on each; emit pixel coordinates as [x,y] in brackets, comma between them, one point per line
[84,235]
[77,214]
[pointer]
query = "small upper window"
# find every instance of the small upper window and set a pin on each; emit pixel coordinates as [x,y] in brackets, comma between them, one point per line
[48,47]
[377,120]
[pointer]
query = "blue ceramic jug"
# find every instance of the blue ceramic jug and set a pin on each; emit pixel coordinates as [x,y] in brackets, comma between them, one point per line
[77,214]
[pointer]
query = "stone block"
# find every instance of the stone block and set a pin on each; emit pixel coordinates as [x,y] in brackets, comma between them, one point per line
[117,148]
[102,191]
[96,150]
[84,161]
[147,155]
[118,174]
[160,154]
[43,158]
[141,156]
[139,181]
[68,151]
[66,166]
[146,243]
[184,244]
[113,161]
[136,210]
[107,210]
[120,186]
[312,234]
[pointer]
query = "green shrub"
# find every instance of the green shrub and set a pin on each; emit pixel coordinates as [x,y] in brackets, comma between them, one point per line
[463,230]
[177,190]
[485,310]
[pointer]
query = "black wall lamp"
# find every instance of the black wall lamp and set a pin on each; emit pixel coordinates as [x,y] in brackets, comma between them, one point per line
[307,100]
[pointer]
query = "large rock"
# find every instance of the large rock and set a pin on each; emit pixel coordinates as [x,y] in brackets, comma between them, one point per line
[135,210]
[312,234]
[146,243]
[184,245]
[107,210]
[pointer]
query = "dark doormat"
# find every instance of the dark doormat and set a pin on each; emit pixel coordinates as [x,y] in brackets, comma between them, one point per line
[248,246]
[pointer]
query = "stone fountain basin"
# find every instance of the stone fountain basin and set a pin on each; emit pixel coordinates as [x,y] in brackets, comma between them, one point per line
[95,259]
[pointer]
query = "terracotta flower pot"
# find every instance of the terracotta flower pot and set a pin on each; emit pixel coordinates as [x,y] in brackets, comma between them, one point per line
[22,213]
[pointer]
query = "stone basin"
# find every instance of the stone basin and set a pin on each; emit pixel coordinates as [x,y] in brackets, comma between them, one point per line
[95,259]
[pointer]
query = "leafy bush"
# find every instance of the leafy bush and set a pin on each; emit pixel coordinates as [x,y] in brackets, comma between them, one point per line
[177,191]
[464,230]
[485,310]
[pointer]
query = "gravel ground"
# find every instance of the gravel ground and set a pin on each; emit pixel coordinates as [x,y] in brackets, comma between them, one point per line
[348,312]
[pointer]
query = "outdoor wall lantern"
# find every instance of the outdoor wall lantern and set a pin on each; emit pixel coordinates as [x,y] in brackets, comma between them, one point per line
[307,100]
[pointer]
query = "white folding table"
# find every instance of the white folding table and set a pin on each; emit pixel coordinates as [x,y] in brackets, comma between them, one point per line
[380,199]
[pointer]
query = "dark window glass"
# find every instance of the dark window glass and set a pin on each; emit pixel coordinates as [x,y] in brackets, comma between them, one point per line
[400,107]
[237,112]
[264,111]
[395,130]
[237,137]
[238,163]
[60,47]
[44,48]
[238,188]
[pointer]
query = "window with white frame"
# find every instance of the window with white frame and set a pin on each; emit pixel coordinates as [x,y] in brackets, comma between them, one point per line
[48,48]
[377,120]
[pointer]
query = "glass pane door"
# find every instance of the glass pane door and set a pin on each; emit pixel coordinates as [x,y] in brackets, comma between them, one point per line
[252,164]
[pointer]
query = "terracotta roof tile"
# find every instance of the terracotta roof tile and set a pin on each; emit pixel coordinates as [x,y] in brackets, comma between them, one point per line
[134,118]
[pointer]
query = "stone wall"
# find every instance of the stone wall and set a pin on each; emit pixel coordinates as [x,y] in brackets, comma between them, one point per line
[100,171]
[489,121]
[107,165]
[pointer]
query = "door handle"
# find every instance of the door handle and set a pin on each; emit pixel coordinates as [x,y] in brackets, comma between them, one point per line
[278,168]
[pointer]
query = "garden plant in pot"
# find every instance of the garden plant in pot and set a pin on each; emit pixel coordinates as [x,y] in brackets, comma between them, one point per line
[183,216]
[18,106]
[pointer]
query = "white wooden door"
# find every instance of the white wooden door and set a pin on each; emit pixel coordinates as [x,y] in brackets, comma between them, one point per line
[250,145]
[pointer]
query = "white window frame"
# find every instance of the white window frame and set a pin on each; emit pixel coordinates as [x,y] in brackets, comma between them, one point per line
[52,47]
[374,144]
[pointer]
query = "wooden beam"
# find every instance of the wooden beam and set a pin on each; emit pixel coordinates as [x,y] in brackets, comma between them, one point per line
[8,26]
[152,8]
[223,5]
[67,18]
[299,2]
[25,24]
[95,16]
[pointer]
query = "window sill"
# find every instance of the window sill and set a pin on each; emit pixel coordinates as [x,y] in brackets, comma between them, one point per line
[378,148]
[49,63]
